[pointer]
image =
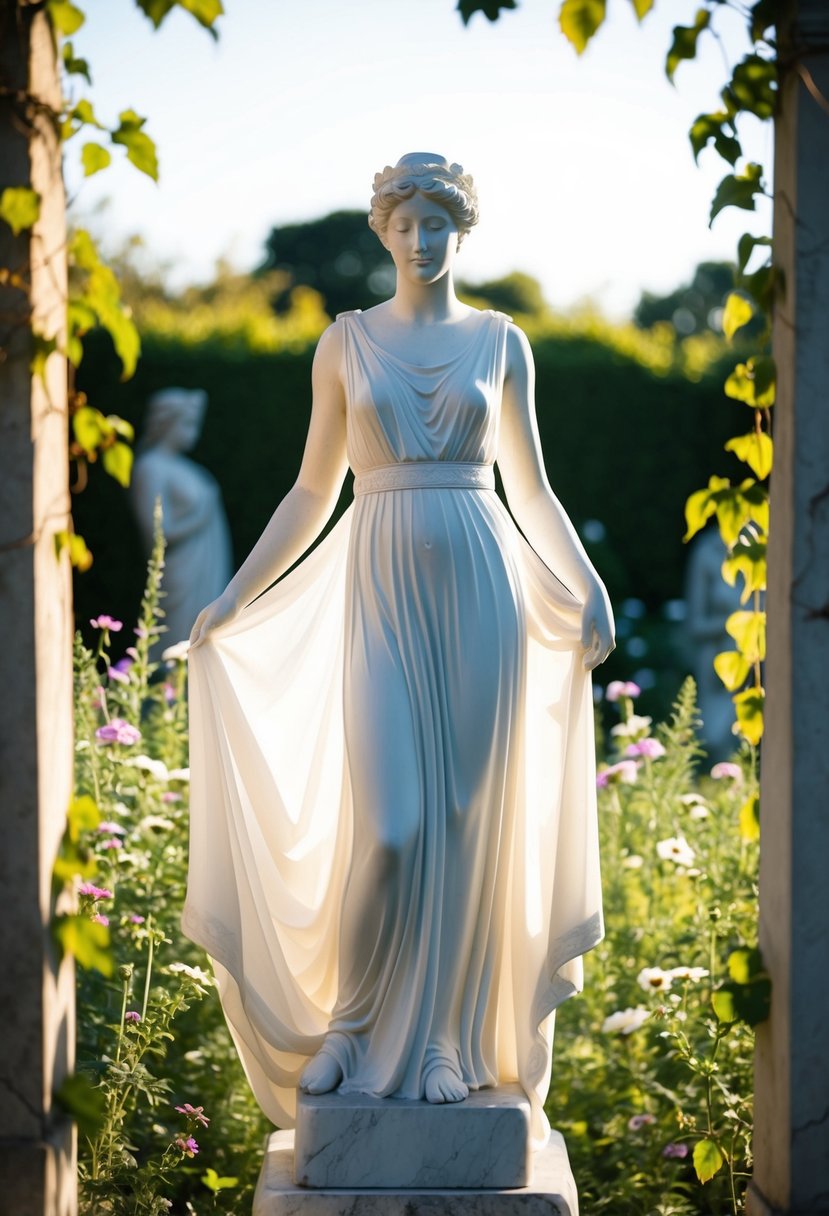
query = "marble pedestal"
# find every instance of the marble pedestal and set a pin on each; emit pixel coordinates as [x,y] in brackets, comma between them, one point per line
[357,1141]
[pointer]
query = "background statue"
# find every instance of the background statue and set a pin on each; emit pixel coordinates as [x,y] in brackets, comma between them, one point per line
[198,559]
[394,844]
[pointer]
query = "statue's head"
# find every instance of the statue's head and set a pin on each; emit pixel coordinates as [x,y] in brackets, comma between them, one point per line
[174,418]
[432,176]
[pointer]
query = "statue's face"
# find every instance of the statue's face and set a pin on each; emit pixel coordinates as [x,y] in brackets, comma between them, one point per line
[184,430]
[422,239]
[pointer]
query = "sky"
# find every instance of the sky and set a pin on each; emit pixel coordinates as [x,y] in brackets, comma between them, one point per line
[583,167]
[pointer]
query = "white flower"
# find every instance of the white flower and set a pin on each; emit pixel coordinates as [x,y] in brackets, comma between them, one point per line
[159,822]
[676,849]
[635,725]
[694,974]
[699,812]
[156,768]
[178,774]
[195,973]
[654,979]
[178,651]
[625,1021]
[692,799]
[634,862]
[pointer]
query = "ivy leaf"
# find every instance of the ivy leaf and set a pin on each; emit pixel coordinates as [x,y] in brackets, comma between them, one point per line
[749,709]
[750,819]
[756,449]
[490,8]
[753,87]
[19,207]
[763,17]
[86,940]
[761,285]
[737,313]
[83,816]
[684,45]
[580,19]
[724,1005]
[140,148]
[73,66]
[710,126]
[215,1183]
[737,190]
[745,965]
[42,348]
[66,17]
[708,1159]
[746,245]
[117,461]
[84,1101]
[748,629]
[94,158]
[642,8]
[205,11]
[753,382]
[747,995]
[748,557]
[701,505]
[732,668]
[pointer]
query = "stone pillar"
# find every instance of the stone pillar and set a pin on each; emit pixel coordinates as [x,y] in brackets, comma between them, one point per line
[791,1138]
[37,1167]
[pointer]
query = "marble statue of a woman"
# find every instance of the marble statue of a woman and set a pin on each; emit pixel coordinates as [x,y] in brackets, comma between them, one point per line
[394,847]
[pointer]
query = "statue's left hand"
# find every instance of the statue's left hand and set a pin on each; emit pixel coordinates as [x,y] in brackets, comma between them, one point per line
[220,612]
[597,627]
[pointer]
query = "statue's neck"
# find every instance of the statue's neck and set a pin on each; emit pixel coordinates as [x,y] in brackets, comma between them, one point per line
[426,303]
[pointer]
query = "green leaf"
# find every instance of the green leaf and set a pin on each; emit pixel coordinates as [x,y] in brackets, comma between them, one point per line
[19,207]
[710,126]
[83,816]
[761,285]
[42,348]
[121,427]
[746,245]
[753,382]
[748,557]
[763,17]
[66,17]
[745,965]
[73,66]
[750,818]
[737,313]
[749,709]
[642,8]
[79,556]
[90,428]
[83,250]
[215,1183]
[724,1005]
[117,461]
[207,11]
[738,190]
[140,148]
[701,505]
[684,45]
[753,86]
[748,629]
[708,1159]
[86,940]
[580,19]
[94,158]
[84,1101]
[756,449]
[732,668]
[490,8]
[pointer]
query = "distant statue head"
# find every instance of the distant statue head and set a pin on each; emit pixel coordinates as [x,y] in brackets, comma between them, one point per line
[174,419]
[432,176]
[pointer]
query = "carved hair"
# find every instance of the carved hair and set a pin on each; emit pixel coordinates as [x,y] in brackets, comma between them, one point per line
[432,176]
[164,409]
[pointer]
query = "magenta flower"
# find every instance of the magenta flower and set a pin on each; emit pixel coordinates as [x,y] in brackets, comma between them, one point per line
[119,672]
[107,622]
[637,1122]
[118,731]
[89,889]
[680,1151]
[189,1146]
[621,688]
[132,1015]
[100,919]
[194,1112]
[649,747]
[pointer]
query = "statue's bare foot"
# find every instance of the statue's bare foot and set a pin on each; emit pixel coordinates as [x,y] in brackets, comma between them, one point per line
[321,1075]
[444,1085]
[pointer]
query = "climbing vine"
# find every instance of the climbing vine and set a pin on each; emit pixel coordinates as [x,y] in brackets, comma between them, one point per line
[741,509]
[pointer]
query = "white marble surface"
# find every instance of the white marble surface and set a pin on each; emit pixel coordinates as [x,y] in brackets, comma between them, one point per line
[354,1140]
[551,1193]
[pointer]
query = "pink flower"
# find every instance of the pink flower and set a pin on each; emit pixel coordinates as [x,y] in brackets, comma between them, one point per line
[194,1112]
[621,688]
[726,769]
[637,1122]
[170,796]
[107,622]
[100,919]
[120,671]
[679,1151]
[189,1146]
[98,697]
[624,771]
[169,693]
[112,843]
[137,920]
[89,889]
[649,747]
[132,1015]
[118,731]
[110,828]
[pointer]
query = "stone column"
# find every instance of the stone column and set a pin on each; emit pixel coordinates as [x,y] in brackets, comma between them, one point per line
[37,1167]
[791,1138]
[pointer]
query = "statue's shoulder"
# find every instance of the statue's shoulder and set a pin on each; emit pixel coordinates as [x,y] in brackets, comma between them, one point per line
[350,312]
[502,316]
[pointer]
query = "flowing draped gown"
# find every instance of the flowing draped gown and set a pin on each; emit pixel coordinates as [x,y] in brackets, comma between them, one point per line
[393,811]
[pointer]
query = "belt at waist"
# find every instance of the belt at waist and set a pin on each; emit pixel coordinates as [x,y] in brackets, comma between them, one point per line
[426,474]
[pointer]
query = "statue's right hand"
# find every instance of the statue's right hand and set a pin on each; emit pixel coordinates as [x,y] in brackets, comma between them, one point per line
[220,612]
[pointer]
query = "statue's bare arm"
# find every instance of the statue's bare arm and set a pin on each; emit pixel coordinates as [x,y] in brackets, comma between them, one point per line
[303,512]
[535,507]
